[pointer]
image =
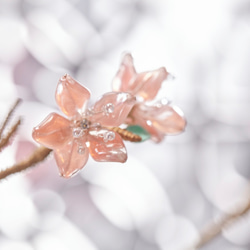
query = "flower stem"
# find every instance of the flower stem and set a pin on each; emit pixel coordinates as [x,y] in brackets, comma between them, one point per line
[126,135]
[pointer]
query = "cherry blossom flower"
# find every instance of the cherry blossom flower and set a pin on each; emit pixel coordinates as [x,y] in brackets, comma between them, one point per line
[86,130]
[160,118]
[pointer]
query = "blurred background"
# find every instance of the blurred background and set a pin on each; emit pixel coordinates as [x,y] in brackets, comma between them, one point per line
[165,193]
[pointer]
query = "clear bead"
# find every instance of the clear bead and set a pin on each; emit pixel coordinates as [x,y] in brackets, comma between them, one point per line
[109,136]
[77,132]
[81,150]
[109,108]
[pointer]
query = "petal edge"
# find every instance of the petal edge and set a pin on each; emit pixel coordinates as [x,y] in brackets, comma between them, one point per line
[113,108]
[111,150]
[69,160]
[53,131]
[71,96]
[125,76]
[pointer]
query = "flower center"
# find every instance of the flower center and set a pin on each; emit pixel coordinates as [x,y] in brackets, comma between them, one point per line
[84,124]
[80,128]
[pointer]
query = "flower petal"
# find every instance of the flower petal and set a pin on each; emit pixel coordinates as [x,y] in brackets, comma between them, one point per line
[147,124]
[150,83]
[53,131]
[159,120]
[71,96]
[112,109]
[168,119]
[106,145]
[71,158]
[124,79]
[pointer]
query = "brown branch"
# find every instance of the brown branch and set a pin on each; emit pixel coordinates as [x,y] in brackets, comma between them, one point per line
[215,228]
[12,131]
[8,116]
[37,156]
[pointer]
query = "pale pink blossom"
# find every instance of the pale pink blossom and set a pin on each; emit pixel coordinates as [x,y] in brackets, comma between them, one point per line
[159,119]
[86,130]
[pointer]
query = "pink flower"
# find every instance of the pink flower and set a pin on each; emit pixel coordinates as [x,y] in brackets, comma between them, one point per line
[159,119]
[86,131]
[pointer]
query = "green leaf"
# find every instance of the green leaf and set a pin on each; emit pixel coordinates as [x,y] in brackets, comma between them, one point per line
[138,130]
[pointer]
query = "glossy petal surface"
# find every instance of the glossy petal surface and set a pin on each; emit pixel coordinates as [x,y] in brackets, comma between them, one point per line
[113,108]
[71,96]
[150,83]
[146,84]
[53,131]
[168,119]
[111,150]
[70,159]
[125,77]
[159,120]
[147,124]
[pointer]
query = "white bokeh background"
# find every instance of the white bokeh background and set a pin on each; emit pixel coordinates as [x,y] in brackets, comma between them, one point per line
[165,193]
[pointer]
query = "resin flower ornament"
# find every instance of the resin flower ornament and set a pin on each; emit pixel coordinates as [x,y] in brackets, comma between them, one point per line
[159,119]
[86,130]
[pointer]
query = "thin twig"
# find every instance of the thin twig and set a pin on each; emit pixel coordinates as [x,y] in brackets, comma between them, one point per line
[126,135]
[215,228]
[37,156]
[12,131]
[8,116]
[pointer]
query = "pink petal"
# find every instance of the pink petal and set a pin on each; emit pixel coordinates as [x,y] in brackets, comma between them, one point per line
[150,83]
[124,79]
[106,145]
[159,120]
[71,96]
[71,158]
[52,131]
[112,109]
[168,119]
[137,117]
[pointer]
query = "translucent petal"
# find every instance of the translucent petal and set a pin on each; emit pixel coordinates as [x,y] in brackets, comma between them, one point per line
[146,123]
[150,83]
[112,109]
[53,131]
[71,158]
[159,119]
[105,148]
[146,84]
[168,119]
[71,96]
[124,79]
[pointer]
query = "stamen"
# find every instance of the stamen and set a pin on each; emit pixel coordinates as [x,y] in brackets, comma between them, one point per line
[84,124]
[95,125]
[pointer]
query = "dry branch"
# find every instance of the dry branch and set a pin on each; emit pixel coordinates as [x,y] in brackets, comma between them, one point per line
[37,156]
[215,228]
[4,141]
[8,117]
